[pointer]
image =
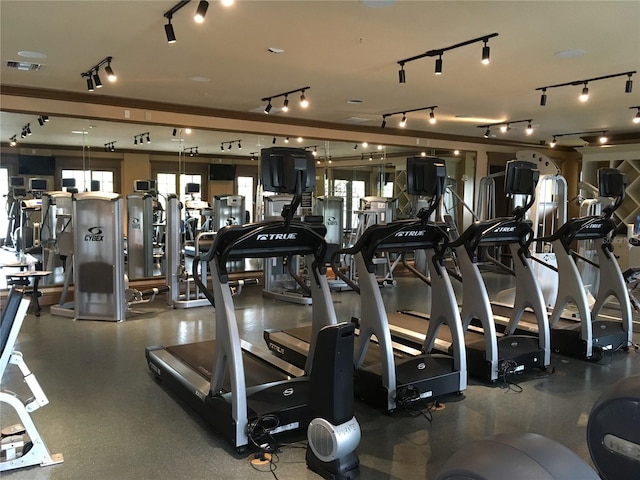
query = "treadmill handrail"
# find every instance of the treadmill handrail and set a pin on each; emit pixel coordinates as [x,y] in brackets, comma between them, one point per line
[399,236]
[582,228]
[496,231]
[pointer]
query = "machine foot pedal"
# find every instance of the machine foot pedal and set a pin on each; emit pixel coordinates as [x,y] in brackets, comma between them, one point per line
[16,429]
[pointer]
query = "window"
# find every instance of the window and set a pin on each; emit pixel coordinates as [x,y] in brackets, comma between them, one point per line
[82,179]
[245,188]
[166,185]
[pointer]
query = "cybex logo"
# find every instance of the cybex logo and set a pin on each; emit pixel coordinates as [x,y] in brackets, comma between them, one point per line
[505,229]
[288,392]
[410,233]
[135,223]
[276,236]
[332,221]
[94,235]
[594,225]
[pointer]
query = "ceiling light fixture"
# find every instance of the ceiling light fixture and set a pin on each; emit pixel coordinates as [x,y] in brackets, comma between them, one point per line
[440,51]
[273,142]
[602,138]
[636,119]
[168,28]
[268,108]
[191,151]
[201,11]
[505,127]
[174,133]
[401,74]
[584,96]
[110,146]
[12,141]
[403,122]
[222,147]
[93,76]
[304,103]
[40,121]
[628,86]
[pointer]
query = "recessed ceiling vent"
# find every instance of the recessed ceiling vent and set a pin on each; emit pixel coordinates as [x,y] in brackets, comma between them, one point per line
[24,66]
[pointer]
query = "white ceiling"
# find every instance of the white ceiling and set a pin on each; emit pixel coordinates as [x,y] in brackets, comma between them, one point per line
[343,50]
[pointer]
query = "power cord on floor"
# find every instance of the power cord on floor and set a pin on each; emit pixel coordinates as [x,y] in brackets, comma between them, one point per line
[507,370]
[409,398]
[259,434]
[269,459]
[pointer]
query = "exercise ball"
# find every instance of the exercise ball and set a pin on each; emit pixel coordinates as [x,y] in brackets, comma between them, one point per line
[613,431]
[510,456]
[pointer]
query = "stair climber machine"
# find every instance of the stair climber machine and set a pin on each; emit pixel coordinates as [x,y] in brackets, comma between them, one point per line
[391,375]
[590,336]
[492,355]
[22,444]
[246,394]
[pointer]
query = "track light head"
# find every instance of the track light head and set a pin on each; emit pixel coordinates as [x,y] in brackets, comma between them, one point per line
[286,140]
[384,122]
[201,11]
[28,129]
[432,117]
[222,147]
[628,86]
[438,70]
[401,75]
[485,53]
[543,97]
[148,138]
[135,140]
[239,145]
[604,138]
[636,119]
[504,128]
[403,122]
[40,121]
[529,129]
[584,96]
[268,108]
[285,105]
[96,79]
[169,32]
[175,131]
[304,103]
[89,83]
[487,133]
[553,142]
[273,142]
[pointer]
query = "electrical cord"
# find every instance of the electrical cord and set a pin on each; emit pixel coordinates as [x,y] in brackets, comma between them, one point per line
[259,434]
[409,398]
[507,369]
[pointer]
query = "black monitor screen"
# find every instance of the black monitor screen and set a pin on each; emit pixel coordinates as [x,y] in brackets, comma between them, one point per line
[521,177]
[68,182]
[144,185]
[16,181]
[222,172]
[35,165]
[95,185]
[280,167]
[611,182]
[38,184]
[425,176]
[192,188]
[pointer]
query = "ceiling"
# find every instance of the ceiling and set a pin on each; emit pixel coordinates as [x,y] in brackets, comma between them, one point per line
[344,51]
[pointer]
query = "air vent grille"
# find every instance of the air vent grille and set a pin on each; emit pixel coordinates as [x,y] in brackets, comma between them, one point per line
[24,66]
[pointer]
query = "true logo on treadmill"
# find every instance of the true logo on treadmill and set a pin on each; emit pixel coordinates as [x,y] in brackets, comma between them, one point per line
[505,229]
[410,233]
[288,392]
[276,236]
[94,235]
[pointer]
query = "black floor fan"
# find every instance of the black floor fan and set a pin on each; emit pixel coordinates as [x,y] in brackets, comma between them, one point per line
[334,432]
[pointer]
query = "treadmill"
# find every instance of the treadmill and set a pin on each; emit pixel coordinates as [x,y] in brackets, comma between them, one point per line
[243,391]
[492,354]
[390,375]
[591,334]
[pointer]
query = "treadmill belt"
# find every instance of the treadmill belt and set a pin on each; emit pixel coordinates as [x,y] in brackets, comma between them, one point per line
[200,355]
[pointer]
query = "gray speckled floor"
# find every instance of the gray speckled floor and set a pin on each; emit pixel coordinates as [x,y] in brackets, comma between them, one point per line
[111,420]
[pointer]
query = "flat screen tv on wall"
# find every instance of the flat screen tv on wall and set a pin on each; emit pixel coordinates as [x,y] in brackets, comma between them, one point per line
[35,165]
[222,172]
